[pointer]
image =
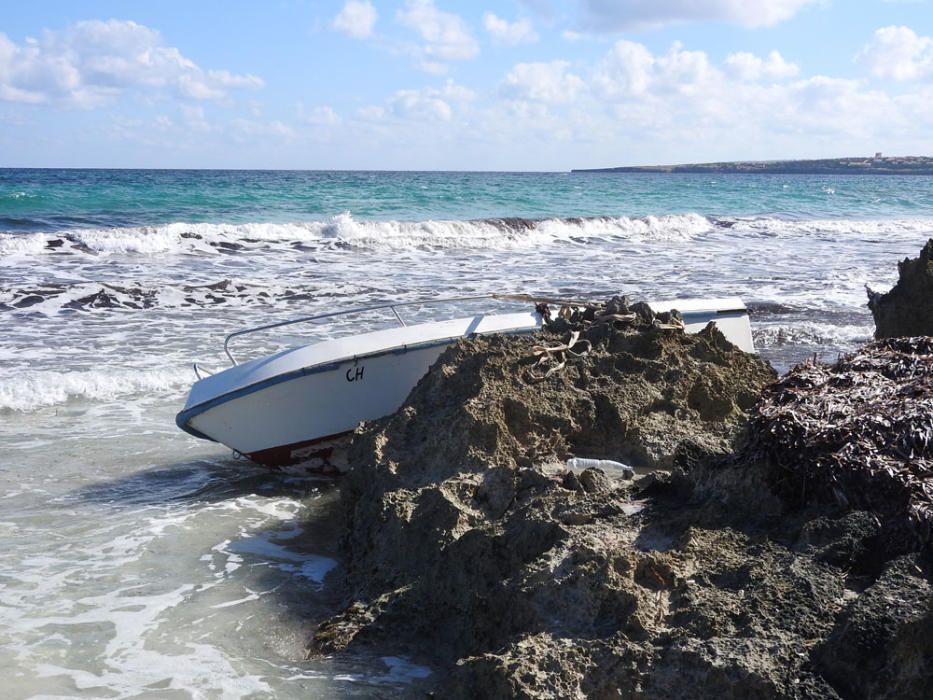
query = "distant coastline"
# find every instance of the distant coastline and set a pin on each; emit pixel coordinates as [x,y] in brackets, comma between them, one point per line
[879,165]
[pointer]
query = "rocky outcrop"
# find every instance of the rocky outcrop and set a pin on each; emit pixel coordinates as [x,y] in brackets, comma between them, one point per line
[882,644]
[471,548]
[906,310]
[456,454]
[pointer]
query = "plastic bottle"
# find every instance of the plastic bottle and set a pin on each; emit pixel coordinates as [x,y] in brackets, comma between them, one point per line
[607,465]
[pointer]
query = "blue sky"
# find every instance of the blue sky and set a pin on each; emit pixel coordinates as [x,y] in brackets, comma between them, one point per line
[435,84]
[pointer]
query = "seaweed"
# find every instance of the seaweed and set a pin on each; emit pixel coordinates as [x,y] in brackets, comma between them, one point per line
[858,432]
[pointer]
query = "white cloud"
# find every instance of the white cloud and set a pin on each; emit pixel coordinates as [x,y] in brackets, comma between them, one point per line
[630,70]
[616,15]
[322,116]
[429,103]
[748,66]
[541,82]
[626,70]
[93,61]
[520,31]
[433,67]
[457,93]
[225,78]
[371,113]
[356,19]
[250,128]
[195,118]
[898,53]
[416,104]
[685,71]
[445,35]
[747,106]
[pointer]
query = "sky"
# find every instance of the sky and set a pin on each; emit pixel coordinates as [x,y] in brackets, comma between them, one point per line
[461,85]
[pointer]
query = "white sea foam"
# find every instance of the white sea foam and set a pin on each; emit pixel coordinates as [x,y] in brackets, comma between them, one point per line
[681,227]
[22,245]
[262,548]
[811,333]
[83,592]
[842,229]
[345,231]
[33,389]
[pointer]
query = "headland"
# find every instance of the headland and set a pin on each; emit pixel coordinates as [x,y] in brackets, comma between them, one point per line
[859,165]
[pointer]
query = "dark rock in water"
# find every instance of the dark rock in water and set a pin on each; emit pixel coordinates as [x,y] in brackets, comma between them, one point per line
[28,300]
[514,224]
[100,299]
[227,246]
[906,310]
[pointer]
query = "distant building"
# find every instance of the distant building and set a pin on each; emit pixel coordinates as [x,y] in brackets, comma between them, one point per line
[879,155]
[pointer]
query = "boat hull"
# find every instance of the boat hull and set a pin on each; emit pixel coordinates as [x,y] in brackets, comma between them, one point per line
[289,407]
[276,423]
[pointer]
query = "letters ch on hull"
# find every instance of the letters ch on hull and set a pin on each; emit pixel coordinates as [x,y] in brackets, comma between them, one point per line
[355,373]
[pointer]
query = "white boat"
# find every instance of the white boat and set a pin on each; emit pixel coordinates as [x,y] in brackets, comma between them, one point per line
[291,406]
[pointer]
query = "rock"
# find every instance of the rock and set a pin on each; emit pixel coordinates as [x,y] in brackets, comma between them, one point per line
[882,645]
[475,423]
[906,310]
[595,481]
[718,580]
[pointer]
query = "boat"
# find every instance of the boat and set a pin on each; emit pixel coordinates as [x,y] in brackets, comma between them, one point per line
[294,405]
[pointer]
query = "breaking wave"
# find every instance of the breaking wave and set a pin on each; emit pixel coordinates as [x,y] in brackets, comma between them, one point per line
[32,389]
[343,231]
[841,229]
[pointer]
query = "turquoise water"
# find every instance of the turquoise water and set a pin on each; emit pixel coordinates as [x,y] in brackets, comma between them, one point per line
[139,560]
[48,199]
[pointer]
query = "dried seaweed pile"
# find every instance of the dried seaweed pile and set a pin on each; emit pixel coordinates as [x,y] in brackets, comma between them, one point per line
[859,432]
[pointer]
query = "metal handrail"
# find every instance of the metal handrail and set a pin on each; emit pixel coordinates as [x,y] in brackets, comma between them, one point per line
[393,306]
[198,369]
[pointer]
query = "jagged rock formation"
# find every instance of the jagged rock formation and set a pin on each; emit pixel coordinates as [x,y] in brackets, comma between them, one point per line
[906,310]
[455,449]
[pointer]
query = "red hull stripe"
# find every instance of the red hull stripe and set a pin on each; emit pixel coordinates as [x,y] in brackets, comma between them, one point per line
[284,454]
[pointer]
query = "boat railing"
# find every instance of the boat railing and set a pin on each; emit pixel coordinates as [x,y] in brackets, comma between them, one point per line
[393,307]
[198,369]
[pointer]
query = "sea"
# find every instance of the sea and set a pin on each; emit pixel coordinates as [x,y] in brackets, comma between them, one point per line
[140,562]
